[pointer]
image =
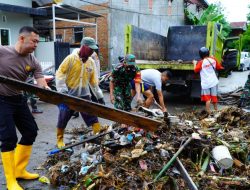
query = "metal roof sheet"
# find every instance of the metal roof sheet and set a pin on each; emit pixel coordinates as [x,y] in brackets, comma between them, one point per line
[67,12]
[21,9]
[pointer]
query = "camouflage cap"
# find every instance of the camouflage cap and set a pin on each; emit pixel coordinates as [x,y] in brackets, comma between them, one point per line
[130,59]
[90,42]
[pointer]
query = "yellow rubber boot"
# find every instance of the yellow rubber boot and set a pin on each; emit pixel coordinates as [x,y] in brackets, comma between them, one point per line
[96,128]
[9,170]
[22,157]
[60,133]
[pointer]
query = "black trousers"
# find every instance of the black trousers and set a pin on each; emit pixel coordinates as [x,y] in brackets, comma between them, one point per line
[15,113]
[65,114]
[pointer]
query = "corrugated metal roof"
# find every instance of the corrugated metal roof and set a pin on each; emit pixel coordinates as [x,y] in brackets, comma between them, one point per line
[67,12]
[21,9]
[238,25]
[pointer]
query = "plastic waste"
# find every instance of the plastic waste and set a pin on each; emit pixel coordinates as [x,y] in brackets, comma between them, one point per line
[143,165]
[140,144]
[84,170]
[123,140]
[44,179]
[64,168]
[150,148]
[211,165]
[84,157]
[136,153]
[189,123]
[164,153]
[175,171]
[130,137]
[87,182]
[222,157]
[116,135]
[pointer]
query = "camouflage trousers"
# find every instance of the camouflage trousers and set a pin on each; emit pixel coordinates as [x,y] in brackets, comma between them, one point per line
[245,97]
[123,98]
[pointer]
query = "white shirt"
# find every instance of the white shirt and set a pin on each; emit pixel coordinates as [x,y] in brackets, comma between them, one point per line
[152,77]
[207,74]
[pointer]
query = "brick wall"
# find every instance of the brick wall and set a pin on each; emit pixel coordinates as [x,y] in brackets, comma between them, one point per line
[102,33]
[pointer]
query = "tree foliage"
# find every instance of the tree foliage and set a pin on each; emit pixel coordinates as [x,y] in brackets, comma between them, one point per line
[246,35]
[248,15]
[213,13]
[246,40]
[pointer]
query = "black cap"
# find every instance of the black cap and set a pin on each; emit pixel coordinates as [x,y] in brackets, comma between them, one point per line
[203,52]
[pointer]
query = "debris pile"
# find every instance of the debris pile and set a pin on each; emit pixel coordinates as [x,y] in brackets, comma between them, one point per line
[194,152]
[231,98]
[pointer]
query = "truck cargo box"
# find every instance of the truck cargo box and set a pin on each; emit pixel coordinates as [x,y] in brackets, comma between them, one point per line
[184,42]
[181,43]
[174,52]
[145,45]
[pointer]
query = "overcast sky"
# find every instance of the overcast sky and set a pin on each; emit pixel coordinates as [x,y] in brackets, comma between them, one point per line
[235,10]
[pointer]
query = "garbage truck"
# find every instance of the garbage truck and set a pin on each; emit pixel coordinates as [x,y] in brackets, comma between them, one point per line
[175,52]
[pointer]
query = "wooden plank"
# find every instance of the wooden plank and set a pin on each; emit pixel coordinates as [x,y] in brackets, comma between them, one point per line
[81,105]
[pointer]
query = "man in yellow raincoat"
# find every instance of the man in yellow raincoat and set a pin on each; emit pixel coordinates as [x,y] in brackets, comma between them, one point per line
[73,77]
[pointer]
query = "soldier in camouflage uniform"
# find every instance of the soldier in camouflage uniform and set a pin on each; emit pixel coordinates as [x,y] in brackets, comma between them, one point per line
[120,87]
[245,97]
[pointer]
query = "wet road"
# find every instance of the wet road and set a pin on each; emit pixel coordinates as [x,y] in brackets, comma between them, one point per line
[47,126]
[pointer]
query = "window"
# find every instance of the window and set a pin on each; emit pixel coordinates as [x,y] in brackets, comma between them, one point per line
[4,37]
[78,34]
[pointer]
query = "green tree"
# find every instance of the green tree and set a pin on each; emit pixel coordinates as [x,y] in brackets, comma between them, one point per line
[246,36]
[246,40]
[214,13]
[248,15]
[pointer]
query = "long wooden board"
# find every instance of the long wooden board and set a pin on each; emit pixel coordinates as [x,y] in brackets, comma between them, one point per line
[82,105]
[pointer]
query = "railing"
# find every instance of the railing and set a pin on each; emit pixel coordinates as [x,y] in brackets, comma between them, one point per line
[47,66]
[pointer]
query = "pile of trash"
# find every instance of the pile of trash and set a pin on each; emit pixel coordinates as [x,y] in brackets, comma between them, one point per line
[191,152]
[231,98]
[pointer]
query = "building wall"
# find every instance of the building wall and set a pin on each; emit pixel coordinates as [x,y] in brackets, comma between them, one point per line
[155,16]
[81,3]
[102,25]
[102,31]
[152,15]
[14,21]
[45,53]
